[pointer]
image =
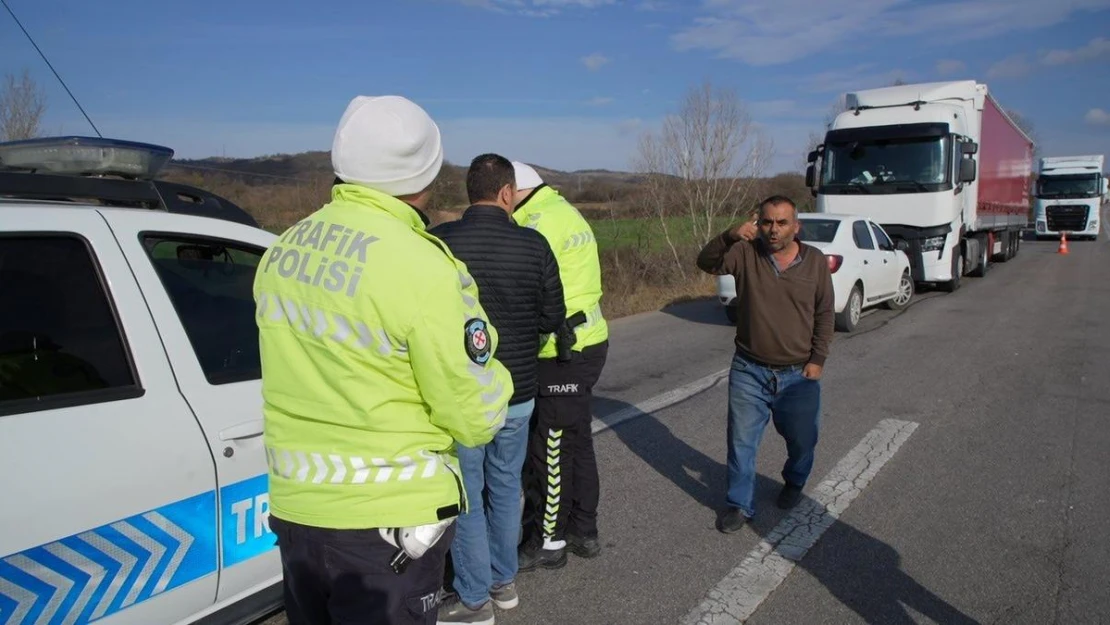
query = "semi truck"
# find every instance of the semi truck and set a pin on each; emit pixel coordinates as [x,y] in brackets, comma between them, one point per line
[1069,195]
[941,166]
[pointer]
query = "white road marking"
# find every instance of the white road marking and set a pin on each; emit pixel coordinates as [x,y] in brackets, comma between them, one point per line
[659,402]
[736,597]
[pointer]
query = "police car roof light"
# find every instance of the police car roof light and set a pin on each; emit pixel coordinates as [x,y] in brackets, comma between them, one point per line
[85,156]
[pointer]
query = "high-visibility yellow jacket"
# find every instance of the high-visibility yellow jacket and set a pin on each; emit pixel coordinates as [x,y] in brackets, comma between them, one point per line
[376,358]
[572,240]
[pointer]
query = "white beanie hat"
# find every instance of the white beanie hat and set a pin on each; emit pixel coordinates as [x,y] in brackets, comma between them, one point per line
[526,177]
[387,143]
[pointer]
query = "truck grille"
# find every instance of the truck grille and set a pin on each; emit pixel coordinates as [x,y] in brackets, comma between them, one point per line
[1071,218]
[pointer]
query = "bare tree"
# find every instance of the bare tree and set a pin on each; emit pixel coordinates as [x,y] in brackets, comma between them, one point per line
[1028,128]
[22,104]
[702,167]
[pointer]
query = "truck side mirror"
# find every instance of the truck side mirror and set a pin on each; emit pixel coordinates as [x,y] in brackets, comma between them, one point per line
[812,156]
[969,147]
[967,170]
[811,175]
[1105,186]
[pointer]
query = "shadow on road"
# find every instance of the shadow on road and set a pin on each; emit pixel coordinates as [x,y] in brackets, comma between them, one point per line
[705,311]
[862,572]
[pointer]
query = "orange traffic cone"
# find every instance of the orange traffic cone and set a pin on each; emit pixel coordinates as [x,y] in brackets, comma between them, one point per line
[1063,249]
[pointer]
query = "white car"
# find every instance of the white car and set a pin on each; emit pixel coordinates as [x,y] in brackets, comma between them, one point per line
[135,477]
[866,267]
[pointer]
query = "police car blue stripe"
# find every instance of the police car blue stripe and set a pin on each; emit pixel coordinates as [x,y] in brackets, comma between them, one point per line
[82,578]
[101,571]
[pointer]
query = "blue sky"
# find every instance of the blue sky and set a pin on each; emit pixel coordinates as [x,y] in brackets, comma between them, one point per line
[569,84]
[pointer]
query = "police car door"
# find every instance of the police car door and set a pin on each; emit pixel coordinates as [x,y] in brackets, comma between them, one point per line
[108,492]
[199,275]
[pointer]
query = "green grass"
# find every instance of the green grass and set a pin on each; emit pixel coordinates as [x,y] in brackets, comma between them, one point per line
[630,232]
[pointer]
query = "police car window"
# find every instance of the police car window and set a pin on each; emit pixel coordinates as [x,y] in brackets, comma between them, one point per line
[210,284]
[862,236]
[60,342]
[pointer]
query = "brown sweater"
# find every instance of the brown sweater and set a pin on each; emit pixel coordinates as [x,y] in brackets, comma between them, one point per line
[782,320]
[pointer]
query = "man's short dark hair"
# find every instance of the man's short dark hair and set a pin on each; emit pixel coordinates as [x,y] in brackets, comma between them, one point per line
[775,200]
[488,173]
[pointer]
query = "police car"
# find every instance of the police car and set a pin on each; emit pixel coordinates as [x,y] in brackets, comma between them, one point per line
[134,478]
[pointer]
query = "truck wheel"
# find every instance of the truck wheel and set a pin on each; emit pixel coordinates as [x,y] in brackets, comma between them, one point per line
[953,285]
[848,319]
[904,295]
[1007,247]
[730,312]
[984,259]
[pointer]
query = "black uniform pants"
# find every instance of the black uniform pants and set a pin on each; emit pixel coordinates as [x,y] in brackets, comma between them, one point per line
[343,577]
[563,486]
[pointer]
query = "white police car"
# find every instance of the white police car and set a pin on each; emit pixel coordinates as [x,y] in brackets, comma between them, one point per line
[134,478]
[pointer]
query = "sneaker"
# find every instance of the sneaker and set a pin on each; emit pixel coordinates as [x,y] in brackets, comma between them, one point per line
[789,496]
[732,520]
[505,597]
[453,610]
[584,547]
[533,556]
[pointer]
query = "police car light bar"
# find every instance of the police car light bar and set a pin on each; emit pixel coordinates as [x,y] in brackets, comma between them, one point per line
[85,156]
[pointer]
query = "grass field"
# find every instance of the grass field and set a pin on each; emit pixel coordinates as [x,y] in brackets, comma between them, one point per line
[646,233]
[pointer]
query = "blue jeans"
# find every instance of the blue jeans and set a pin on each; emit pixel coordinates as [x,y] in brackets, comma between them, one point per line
[757,394]
[484,551]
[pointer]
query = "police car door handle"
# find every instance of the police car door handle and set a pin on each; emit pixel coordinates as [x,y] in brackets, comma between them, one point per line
[246,429]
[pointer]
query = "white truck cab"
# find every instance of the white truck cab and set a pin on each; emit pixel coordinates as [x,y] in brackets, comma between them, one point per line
[1069,196]
[135,486]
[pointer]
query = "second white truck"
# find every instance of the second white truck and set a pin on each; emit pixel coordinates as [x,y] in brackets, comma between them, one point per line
[1069,196]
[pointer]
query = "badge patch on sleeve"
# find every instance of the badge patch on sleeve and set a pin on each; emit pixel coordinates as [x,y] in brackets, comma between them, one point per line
[477,341]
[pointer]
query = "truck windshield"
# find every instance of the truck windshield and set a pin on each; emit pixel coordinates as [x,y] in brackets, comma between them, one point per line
[903,165]
[1074,186]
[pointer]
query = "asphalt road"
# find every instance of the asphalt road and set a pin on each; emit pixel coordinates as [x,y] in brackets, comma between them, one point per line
[994,510]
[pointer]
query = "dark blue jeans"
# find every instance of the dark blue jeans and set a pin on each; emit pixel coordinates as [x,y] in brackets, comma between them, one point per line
[757,394]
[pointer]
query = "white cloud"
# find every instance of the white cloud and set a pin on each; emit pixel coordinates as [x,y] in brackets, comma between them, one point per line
[863,76]
[594,61]
[1019,65]
[1096,48]
[770,32]
[1012,67]
[535,8]
[948,67]
[1097,117]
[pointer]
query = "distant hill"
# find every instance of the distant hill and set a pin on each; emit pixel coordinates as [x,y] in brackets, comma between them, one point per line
[309,166]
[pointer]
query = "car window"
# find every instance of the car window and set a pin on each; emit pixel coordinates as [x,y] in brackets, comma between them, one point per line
[862,236]
[210,284]
[880,236]
[818,230]
[60,340]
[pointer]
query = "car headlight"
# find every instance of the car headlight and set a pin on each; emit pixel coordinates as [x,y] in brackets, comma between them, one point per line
[932,244]
[1042,227]
[1093,224]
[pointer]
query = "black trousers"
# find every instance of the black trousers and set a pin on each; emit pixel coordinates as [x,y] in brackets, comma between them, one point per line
[561,479]
[343,577]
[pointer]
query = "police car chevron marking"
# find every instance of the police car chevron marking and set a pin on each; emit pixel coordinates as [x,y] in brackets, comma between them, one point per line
[85,577]
[99,572]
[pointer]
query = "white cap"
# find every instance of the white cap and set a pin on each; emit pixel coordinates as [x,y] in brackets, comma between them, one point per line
[387,143]
[526,177]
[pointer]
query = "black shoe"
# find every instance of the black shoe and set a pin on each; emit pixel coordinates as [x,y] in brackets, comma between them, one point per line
[789,496]
[533,556]
[584,547]
[733,520]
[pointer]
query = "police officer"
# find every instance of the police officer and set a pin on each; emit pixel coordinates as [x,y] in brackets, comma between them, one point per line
[563,475]
[376,358]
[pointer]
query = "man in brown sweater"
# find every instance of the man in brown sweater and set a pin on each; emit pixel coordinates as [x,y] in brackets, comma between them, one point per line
[784,299]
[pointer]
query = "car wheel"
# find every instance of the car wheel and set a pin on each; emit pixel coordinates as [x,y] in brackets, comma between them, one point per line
[848,319]
[730,312]
[905,293]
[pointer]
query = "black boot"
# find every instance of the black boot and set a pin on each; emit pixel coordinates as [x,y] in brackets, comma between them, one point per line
[533,556]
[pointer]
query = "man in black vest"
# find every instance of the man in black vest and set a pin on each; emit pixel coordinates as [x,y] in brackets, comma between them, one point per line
[519,288]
